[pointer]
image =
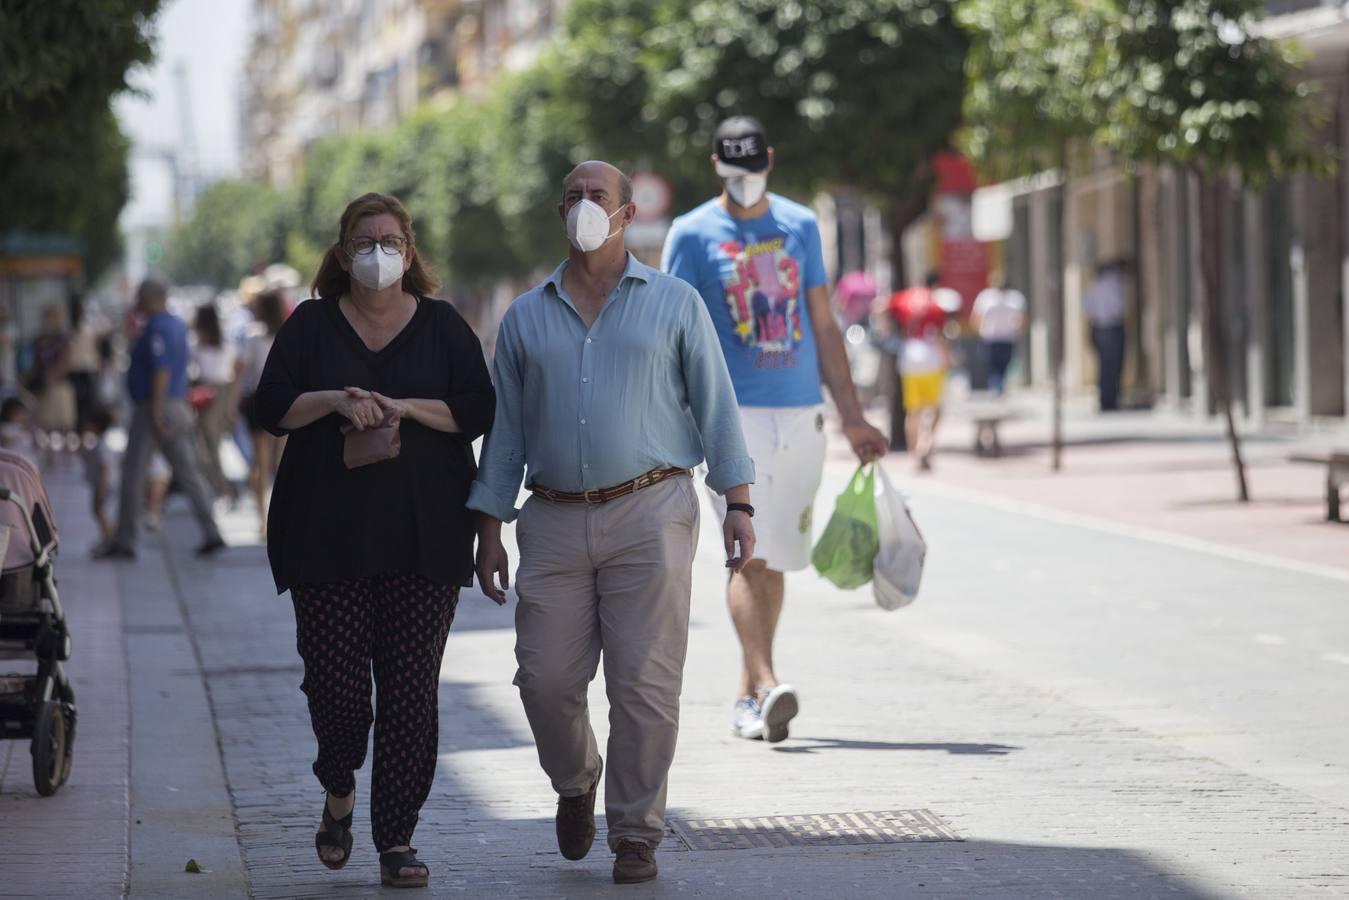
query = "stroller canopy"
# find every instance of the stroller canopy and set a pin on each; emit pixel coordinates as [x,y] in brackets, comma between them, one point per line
[20,474]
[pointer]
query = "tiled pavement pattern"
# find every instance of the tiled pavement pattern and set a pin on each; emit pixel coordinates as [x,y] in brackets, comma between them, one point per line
[1007,702]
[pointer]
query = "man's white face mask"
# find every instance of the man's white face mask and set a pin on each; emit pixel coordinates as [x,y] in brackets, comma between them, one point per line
[745,187]
[588,225]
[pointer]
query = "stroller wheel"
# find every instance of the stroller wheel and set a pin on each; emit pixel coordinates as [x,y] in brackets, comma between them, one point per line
[69,756]
[49,748]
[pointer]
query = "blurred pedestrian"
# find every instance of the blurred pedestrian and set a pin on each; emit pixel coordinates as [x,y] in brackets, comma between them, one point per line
[1103,304]
[269,311]
[213,395]
[16,427]
[374,550]
[83,360]
[49,381]
[162,419]
[98,468]
[999,315]
[757,261]
[924,359]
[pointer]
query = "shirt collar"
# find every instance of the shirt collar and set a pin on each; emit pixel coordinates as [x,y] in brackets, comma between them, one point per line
[634,269]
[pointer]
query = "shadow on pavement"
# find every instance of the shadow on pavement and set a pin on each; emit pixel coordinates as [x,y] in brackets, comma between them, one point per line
[955,749]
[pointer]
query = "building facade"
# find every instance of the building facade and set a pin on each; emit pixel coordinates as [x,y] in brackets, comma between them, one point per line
[321,67]
[1284,266]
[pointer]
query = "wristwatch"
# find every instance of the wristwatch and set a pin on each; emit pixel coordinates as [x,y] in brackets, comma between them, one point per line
[741,507]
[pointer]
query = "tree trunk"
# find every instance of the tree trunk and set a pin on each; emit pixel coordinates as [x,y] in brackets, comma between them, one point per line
[1056,335]
[904,210]
[1212,197]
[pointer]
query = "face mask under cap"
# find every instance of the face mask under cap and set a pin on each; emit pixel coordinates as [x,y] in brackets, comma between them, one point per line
[377,269]
[745,187]
[746,190]
[588,225]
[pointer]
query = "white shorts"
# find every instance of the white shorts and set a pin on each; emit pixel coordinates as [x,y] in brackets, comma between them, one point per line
[787,445]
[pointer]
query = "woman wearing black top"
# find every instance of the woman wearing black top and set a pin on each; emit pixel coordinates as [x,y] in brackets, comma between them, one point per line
[374,556]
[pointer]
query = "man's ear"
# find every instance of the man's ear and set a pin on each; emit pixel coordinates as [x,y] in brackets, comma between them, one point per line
[769,167]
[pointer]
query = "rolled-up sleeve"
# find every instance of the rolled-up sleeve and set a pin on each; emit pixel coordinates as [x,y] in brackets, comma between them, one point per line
[471,398]
[282,380]
[503,453]
[712,400]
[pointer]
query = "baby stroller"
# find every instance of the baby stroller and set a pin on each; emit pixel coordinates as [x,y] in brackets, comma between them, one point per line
[39,706]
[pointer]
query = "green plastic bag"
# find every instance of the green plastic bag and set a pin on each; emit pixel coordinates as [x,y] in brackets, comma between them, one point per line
[847,550]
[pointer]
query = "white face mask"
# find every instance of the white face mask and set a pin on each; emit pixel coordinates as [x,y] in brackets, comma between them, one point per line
[377,269]
[588,225]
[746,190]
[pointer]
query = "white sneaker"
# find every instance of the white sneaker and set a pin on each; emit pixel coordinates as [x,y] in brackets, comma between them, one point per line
[779,708]
[747,719]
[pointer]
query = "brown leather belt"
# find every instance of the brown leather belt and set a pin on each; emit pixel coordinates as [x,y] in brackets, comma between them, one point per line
[604,495]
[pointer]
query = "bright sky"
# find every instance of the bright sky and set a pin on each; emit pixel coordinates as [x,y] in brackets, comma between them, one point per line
[209,38]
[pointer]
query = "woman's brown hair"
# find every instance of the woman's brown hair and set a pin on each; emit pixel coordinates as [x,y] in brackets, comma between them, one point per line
[333,281]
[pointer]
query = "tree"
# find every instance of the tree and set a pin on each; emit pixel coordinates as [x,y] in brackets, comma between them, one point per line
[1034,68]
[1181,82]
[853,93]
[65,157]
[1191,84]
[236,228]
[856,93]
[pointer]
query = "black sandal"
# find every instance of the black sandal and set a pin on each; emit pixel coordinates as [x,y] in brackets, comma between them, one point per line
[391,866]
[336,833]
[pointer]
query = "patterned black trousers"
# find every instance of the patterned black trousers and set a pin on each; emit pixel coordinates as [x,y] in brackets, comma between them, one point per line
[394,626]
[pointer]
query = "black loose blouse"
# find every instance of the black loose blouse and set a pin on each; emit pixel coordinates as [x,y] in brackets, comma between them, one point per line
[329,523]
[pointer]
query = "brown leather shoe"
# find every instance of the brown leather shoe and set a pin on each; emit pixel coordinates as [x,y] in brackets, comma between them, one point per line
[635,862]
[576,821]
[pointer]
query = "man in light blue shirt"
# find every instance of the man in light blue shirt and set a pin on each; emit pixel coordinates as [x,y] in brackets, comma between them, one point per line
[610,387]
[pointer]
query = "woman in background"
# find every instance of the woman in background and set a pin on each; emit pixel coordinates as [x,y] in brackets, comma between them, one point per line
[212,395]
[269,313]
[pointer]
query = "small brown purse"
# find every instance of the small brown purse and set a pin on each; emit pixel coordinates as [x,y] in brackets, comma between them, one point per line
[371,445]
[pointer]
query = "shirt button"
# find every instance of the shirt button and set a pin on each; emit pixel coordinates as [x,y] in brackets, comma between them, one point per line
[583,421]
[585,465]
[585,381]
[590,340]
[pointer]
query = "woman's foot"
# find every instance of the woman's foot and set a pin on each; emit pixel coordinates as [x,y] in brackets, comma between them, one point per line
[399,867]
[333,840]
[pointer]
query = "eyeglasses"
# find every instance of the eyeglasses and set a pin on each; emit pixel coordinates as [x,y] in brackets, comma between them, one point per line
[391,244]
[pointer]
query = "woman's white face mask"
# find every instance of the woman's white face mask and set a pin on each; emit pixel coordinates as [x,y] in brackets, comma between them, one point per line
[588,225]
[377,269]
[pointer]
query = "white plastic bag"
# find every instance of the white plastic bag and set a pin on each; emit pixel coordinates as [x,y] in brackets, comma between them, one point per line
[899,563]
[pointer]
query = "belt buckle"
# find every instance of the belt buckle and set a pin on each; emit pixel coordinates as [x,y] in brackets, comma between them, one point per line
[585,495]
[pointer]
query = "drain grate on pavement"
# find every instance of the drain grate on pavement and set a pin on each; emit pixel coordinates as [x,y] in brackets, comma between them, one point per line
[899,826]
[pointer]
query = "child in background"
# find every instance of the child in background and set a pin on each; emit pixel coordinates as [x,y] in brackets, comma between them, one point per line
[98,468]
[16,428]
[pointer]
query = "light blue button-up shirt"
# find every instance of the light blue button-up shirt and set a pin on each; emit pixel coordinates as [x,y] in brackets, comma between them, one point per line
[645,387]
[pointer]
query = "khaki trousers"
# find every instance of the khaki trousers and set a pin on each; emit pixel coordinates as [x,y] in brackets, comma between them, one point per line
[612,577]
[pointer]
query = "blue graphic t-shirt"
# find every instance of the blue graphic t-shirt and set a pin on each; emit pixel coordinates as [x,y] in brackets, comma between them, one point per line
[753,275]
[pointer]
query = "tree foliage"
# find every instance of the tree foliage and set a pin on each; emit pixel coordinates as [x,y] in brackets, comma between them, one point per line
[236,228]
[64,158]
[852,92]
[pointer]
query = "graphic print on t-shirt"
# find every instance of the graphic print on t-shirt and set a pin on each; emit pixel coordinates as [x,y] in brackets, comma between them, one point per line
[762,282]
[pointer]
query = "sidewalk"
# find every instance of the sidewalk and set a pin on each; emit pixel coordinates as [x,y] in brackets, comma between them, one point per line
[1042,723]
[1142,470]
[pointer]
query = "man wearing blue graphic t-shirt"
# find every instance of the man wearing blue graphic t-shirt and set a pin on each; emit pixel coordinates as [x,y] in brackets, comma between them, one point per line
[756,260]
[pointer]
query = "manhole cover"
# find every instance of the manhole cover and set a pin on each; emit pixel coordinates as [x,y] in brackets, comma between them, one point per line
[827,830]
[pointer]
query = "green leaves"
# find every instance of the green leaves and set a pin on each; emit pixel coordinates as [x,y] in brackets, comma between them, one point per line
[64,157]
[1182,81]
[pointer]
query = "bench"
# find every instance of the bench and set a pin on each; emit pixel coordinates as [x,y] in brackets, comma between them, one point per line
[1337,477]
[986,422]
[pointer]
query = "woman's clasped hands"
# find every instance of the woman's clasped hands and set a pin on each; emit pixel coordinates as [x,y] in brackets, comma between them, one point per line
[367,409]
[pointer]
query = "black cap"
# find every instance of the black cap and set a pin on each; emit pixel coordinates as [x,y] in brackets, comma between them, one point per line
[740,143]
